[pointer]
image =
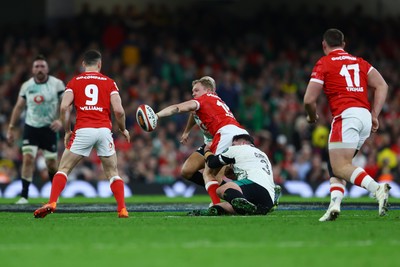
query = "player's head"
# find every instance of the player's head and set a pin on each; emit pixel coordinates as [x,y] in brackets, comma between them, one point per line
[92,59]
[211,81]
[242,139]
[207,82]
[40,68]
[333,38]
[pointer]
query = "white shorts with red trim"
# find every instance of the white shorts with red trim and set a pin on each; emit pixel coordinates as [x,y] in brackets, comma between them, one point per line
[223,139]
[85,139]
[350,129]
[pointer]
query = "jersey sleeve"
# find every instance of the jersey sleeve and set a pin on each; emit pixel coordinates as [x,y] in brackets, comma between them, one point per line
[60,88]
[317,74]
[22,91]
[70,86]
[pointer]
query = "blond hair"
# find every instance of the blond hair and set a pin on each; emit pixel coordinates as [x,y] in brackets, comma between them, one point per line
[207,82]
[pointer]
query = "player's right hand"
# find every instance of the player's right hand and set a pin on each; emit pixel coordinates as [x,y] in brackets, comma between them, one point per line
[312,120]
[126,135]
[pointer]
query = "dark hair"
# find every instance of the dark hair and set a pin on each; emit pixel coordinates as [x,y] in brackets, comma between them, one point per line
[91,57]
[245,137]
[40,57]
[334,37]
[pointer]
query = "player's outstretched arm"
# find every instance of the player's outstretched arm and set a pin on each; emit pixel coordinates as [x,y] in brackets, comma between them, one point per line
[183,107]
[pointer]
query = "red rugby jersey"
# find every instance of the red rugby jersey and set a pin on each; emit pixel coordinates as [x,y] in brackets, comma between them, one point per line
[92,93]
[214,113]
[345,80]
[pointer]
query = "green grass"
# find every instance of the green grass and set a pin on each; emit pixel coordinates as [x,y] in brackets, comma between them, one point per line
[358,238]
[194,199]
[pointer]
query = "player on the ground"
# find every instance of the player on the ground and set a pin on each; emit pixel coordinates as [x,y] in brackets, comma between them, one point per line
[254,190]
[346,79]
[93,95]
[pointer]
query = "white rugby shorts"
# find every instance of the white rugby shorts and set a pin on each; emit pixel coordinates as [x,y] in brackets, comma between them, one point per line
[85,139]
[350,129]
[223,139]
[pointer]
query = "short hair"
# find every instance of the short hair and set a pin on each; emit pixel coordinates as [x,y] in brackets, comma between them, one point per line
[333,37]
[207,82]
[245,137]
[40,57]
[91,57]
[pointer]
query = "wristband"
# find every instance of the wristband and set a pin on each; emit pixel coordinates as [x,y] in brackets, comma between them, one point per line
[207,154]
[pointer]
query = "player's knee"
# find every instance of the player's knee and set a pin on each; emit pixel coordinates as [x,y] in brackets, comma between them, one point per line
[186,173]
[220,192]
[28,159]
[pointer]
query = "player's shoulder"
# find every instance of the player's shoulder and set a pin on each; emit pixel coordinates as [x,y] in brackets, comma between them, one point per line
[53,79]
[28,83]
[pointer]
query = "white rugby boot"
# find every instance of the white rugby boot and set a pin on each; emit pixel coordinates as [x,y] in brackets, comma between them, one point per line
[332,213]
[382,196]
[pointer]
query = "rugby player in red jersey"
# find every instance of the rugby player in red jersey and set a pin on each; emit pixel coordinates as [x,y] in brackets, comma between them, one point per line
[93,95]
[346,81]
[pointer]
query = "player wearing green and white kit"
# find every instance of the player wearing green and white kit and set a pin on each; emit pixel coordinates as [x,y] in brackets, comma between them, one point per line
[40,97]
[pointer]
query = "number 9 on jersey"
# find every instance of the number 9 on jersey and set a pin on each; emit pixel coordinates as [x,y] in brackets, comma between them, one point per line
[146,118]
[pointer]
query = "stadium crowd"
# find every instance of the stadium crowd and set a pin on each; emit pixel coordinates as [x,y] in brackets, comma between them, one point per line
[261,65]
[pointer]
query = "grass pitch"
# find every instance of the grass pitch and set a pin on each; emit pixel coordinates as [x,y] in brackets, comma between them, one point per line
[282,238]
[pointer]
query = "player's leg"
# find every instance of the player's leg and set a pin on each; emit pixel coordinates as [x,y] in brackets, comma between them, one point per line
[48,144]
[233,194]
[31,141]
[337,189]
[106,152]
[29,153]
[67,163]
[348,134]
[192,166]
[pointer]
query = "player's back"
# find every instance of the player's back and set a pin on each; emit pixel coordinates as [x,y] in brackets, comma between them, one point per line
[92,93]
[214,113]
[345,79]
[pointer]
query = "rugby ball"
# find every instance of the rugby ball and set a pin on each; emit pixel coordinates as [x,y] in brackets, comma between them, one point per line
[146,118]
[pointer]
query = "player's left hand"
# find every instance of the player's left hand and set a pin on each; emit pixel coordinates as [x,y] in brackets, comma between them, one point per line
[184,138]
[56,125]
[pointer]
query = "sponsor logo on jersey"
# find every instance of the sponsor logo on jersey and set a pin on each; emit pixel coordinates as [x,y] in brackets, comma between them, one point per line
[343,58]
[91,77]
[38,99]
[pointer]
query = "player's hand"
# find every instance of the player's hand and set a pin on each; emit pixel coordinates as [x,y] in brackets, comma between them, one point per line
[126,135]
[375,125]
[184,138]
[67,137]
[10,135]
[207,147]
[56,125]
[313,119]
